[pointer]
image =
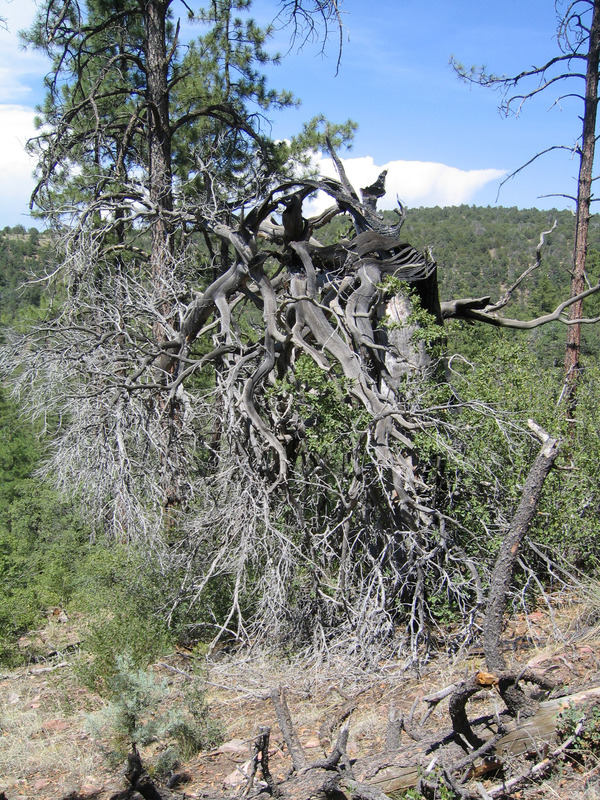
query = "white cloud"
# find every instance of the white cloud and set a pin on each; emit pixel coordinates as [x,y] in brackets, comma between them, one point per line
[414,183]
[13,78]
[16,181]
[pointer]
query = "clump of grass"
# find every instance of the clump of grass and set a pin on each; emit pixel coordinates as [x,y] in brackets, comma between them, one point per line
[31,746]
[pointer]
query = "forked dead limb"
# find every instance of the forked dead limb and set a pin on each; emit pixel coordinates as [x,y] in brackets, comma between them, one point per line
[260,755]
[516,701]
[300,764]
[290,736]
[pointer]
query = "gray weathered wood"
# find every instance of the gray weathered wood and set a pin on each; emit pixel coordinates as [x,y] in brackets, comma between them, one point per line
[528,735]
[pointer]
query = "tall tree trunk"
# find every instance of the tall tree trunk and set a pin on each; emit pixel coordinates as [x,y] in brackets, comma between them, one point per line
[584,195]
[160,174]
[160,180]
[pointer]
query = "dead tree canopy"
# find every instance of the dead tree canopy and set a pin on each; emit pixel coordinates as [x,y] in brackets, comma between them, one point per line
[292,381]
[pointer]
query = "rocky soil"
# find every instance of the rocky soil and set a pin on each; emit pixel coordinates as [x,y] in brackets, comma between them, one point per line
[48,752]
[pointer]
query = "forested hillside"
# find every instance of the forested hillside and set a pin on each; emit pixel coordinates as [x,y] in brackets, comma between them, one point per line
[23,256]
[484,250]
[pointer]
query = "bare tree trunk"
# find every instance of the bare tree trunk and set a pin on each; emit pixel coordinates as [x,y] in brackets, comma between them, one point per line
[160,179]
[504,569]
[584,195]
[159,138]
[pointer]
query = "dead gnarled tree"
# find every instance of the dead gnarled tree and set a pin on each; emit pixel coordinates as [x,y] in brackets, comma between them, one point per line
[301,383]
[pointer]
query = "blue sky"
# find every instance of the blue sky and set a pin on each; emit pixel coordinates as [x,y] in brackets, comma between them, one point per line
[443,142]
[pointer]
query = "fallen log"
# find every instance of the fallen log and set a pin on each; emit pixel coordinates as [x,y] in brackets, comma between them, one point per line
[534,734]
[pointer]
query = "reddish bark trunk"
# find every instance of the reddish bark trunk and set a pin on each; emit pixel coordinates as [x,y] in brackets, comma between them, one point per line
[159,137]
[584,195]
[160,188]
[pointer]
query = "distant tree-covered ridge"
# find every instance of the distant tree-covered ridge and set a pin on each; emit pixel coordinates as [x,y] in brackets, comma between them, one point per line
[23,254]
[479,248]
[483,250]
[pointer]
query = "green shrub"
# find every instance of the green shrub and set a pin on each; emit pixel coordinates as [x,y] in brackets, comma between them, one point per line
[122,635]
[135,694]
[586,721]
[41,546]
[143,710]
[192,727]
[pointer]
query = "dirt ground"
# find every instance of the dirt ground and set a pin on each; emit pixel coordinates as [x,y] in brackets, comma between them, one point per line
[47,751]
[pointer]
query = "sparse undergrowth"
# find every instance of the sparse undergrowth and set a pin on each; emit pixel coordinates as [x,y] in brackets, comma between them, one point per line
[46,749]
[583,724]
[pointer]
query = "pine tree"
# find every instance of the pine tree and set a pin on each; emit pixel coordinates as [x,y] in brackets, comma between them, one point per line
[135,129]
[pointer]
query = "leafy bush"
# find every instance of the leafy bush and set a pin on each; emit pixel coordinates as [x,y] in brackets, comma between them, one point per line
[120,592]
[41,543]
[118,636]
[331,421]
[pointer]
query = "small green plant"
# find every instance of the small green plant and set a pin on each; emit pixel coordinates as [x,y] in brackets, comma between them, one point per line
[143,710]
[584,725]
[124,635]
[130,714]
[441,791]
[410,794]
[391,285]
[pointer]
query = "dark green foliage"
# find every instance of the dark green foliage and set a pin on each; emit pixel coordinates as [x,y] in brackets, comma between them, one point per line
[329,418]
[19,451]
[41,540]
[486,451]
[41,544]
[481,249]
[131,633]
[22,255]
[121,592]
[47,559]
[567,519]
[583,723]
